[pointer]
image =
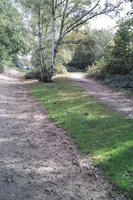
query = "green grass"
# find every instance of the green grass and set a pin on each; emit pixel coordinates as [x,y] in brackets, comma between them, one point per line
[96,129]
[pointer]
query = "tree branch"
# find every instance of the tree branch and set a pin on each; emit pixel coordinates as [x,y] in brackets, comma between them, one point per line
[83,16]
[58,4]
[75,25]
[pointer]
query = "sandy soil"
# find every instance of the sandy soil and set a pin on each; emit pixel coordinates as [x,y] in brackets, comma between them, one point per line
[38,161]
[116,100]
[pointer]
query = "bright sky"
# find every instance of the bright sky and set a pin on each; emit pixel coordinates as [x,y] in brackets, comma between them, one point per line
[106,22]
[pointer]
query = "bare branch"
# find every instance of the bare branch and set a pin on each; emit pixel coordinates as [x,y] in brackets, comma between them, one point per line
[72,10]
[83,16]
[60,3]
[75,25]
[63,18]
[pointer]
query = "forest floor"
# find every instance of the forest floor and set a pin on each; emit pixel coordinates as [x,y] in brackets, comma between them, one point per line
[38,160]
[114,99]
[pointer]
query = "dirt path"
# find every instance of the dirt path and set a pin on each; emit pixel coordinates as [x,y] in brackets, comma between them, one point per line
[38,161]
[115,100]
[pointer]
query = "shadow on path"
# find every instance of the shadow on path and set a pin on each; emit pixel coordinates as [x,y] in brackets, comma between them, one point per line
[38,161]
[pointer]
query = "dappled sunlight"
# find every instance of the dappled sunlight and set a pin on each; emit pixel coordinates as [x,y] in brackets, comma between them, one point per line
[108,153]
[95,128]
[115,100]
[36,153]
[13,77]
[61,76]
[3,77]
[6,140]
[3,98]
[76,75]
[30,82]
[10,79]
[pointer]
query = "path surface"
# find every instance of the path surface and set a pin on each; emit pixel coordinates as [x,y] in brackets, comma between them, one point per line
[38,161]
[116,100]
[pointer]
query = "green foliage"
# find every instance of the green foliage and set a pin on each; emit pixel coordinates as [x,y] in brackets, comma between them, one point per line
[97,130]
[59,69]
[89,47]
[101,38]
[1,68]
[35,60]
[12,32]
[84,54]
[116,66]
[118,57]
[120,81]
[33,74]
[29,75]
[96,71]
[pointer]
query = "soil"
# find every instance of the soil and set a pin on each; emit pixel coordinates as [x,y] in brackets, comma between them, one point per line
[38,160]
[115,100]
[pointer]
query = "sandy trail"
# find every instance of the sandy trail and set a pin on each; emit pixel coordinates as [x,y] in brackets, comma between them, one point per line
[38,161]
[116,100]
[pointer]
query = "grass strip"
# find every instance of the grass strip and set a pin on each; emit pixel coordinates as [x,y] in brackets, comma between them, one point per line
[96,129]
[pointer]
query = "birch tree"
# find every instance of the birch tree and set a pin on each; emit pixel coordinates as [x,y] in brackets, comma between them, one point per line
[65,16]
[39,14]
[72,14]
[53,42]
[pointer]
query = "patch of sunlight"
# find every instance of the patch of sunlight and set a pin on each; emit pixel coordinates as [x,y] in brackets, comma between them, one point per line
[29,81]
[96,116]
[6,140]
[107,154]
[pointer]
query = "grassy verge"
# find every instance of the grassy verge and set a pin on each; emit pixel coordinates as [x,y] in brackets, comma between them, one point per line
[96,129]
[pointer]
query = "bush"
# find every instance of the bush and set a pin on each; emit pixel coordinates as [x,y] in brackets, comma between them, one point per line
[118,57]
[29,75]
[116,68]
[113,80]
[97,71]
[33,74]
[83,56]
[120,81]
[1,68]
[59,69]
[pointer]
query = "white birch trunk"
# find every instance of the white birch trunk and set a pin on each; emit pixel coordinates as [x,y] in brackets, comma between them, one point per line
[42,70]
[53,41]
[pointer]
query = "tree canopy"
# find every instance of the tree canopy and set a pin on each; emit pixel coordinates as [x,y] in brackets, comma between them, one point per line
[12,32]
[55,20]
[118,56]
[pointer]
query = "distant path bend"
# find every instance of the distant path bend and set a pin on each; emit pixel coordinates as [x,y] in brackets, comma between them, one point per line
[116,100]
[38,161]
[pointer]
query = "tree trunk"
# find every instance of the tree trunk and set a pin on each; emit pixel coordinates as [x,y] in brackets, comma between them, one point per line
[55,48]
[53,43]
[43,68]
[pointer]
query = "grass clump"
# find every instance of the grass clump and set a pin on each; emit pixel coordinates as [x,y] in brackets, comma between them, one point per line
[96,129]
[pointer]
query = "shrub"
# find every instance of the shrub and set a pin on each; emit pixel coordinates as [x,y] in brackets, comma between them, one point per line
[97,71]
[83,56]
[1,68]
[59,69]
[33,74]
[113,80]
[118,57]
[116,68]
[120,81]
